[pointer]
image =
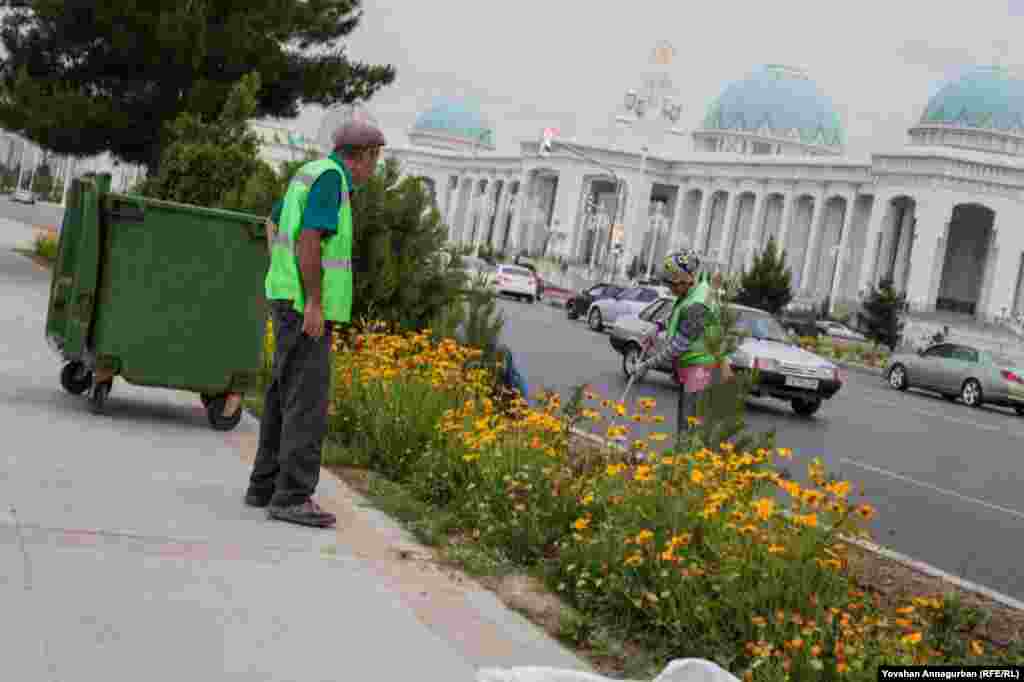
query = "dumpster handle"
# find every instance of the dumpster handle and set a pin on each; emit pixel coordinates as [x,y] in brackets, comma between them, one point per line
[127,211]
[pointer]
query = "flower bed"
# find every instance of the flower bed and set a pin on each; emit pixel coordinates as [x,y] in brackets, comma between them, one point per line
[870,355]
[696,551]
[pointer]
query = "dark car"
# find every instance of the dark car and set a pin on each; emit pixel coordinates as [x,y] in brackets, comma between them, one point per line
[580,303]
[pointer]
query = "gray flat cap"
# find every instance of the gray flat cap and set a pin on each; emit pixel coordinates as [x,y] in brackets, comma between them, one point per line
[359,134]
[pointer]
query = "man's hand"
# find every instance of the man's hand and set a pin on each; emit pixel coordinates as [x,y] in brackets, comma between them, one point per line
[313,320]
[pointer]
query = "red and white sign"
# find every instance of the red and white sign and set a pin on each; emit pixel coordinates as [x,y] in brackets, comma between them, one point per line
[550,134]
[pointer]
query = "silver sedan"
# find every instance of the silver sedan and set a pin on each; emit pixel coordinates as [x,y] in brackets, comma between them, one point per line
[953,370]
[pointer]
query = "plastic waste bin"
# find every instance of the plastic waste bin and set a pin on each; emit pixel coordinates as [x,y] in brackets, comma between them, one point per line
[161,294]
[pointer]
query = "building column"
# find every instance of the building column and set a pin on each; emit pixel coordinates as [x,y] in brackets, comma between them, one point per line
[932,220]
[788,200]
[756,228]
[636,219]
[519,209]
[703,217]
[844,244]
[815,229]
[728,227]
[879,210]
[676,227]
[989,300]
[567,206]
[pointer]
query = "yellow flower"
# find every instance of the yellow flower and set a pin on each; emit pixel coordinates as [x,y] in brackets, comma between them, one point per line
[839,488]
[904,610]
[912,638]
[647,403]
[659,419]
[865,511]
[764,508]
[643,473]
[615,469]
[581,524]
[635,560]
[644,536]
[657,437]
[977,648]
[693,421]
[620,409]
[809,520]
[668,461]
[759,621]
[587,499]
[785,453]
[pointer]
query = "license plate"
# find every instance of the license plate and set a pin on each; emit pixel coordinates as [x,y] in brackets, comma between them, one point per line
[797,382]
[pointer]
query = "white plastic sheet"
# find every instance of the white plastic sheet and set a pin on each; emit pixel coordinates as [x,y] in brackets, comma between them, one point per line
[680,670]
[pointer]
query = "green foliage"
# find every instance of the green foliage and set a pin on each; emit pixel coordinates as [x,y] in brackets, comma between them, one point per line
[208,161]
[84,78]
[767,284]
[398,240]
[882,314]
[45,247]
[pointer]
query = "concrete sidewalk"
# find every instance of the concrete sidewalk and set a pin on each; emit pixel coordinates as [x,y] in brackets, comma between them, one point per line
[126,552]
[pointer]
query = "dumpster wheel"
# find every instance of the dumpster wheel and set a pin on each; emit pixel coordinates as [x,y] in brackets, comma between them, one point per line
[98,397]
[215,413]
[75,378]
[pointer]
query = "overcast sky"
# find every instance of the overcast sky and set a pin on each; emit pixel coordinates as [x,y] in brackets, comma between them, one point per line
[567,63]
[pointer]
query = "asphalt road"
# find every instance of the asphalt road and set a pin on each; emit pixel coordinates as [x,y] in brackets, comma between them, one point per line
[31,214]
[946,479]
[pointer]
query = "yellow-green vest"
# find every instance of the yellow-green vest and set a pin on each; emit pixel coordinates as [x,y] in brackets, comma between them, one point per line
[697,353]
[284,279]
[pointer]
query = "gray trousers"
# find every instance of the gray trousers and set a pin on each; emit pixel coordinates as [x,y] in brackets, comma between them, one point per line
[294,422]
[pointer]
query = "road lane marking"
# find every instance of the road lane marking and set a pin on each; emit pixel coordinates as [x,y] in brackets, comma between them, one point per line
[952,493]
[938,415]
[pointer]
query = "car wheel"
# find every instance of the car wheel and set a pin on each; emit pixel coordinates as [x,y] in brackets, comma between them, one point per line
[898,377]
[594,320]
[532,299]
[806,407]
[630,359]
[570,312]
[1019,409]
[971,393]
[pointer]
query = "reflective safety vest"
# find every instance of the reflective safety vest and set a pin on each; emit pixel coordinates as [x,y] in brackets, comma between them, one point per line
[284,279]
[697,353]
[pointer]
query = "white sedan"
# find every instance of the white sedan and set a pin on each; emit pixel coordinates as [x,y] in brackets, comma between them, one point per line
[517,281]
[604,312]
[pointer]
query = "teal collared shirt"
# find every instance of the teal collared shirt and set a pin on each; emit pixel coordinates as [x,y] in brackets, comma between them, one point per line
[324,202]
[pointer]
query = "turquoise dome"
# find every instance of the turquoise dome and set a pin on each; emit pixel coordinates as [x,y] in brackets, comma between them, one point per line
[781,102]
[456,118]
[984,97]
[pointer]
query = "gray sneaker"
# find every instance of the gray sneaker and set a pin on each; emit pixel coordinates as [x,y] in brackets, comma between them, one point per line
[308,513]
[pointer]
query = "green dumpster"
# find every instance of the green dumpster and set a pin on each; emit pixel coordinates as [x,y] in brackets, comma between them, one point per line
[161,294]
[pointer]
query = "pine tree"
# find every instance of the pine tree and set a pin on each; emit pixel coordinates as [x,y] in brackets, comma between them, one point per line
[398,239]
[767,284]
[882,314]
[82,78]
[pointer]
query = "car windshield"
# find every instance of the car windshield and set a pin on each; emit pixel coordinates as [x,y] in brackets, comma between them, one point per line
[761,327]
[1005,361]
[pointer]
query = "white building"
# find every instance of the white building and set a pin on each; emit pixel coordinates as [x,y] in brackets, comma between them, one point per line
[942,216]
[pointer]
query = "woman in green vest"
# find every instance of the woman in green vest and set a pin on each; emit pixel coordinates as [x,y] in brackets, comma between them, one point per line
[309,286]
[694,318]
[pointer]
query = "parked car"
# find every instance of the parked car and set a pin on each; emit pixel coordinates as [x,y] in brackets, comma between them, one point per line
[515,280]
[24,196]
[629,301]
[536,275]
[580,303]
[956,371]
[784,370]
[839,331]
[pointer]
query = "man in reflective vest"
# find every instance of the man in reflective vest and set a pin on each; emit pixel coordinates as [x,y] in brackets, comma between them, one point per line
[309,286]
[694,318]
